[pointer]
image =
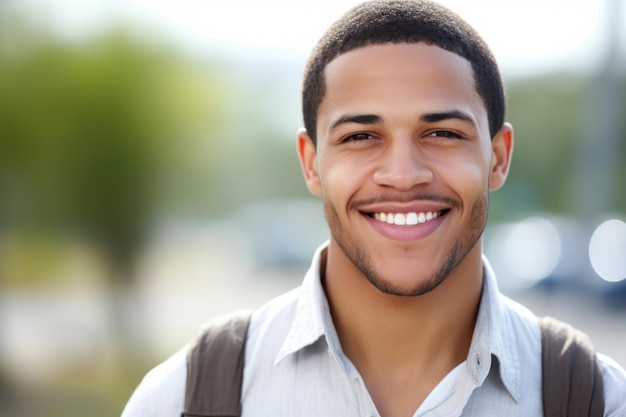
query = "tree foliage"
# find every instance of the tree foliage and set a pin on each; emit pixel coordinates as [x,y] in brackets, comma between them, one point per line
[550,117]
[89,131]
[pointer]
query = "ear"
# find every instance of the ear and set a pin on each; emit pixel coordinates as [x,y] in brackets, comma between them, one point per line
[502,148]
[307,153]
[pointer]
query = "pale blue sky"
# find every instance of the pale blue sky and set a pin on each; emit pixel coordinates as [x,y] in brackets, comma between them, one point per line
[526,36]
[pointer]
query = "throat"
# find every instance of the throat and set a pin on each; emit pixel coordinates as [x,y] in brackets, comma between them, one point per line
[399,339]
[400,392]
[403,339]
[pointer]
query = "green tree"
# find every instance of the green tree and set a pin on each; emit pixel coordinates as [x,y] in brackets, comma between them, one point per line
[90,132]
[550,114]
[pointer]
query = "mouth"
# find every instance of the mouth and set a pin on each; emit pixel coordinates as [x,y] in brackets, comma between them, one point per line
[407,219]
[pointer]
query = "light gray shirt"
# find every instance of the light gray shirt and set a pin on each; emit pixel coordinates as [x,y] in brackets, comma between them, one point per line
[295,366]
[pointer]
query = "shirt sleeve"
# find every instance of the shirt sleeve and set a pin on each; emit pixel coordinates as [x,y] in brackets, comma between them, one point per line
[614,380]
[161,393]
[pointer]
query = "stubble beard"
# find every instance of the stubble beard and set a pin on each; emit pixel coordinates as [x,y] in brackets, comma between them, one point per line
[458,251]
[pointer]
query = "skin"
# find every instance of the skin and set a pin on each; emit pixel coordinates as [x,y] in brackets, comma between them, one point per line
[402,129]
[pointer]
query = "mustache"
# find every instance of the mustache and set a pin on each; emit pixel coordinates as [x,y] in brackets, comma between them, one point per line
[406,198]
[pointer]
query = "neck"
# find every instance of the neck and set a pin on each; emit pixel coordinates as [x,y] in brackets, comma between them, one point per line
[414,341]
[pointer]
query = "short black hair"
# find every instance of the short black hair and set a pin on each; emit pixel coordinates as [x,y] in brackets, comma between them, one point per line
[403,21]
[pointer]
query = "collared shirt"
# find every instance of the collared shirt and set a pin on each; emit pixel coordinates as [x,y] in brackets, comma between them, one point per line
[295,366]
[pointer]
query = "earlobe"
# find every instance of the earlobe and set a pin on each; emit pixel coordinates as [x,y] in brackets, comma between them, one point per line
[307,153]
[502,148]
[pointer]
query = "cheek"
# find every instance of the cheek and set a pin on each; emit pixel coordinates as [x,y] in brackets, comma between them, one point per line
[466,176]
[331,183]
[341,178]
[332,216]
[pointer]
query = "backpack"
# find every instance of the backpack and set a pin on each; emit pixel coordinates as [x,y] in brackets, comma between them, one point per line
[571,375]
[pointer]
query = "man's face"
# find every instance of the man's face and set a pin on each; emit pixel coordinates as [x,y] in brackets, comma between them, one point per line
[404,162]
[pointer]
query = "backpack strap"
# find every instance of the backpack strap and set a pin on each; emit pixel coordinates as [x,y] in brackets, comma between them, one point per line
[215,363]
[572,374]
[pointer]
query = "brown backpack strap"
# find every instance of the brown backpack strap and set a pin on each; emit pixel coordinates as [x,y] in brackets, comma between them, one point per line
[572,373]
[215,363]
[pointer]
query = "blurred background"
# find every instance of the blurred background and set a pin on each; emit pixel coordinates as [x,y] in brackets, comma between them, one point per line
[149,180]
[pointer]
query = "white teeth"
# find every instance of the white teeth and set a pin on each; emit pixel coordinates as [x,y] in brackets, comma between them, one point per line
[406,219]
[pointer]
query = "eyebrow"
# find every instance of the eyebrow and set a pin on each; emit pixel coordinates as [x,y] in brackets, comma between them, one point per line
[364,119]
[447,115]
[370,119]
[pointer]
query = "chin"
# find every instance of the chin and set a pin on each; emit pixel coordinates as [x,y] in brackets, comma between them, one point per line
[408,287]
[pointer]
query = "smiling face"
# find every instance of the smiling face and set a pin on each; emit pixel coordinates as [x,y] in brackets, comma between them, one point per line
[403,162]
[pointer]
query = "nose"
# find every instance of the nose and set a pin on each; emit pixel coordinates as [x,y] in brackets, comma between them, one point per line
[403,166]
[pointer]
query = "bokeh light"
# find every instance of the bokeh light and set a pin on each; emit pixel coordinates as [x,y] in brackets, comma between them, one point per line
[525,252]
[607,250]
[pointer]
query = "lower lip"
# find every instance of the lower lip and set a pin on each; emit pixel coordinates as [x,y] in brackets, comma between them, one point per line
[405,233]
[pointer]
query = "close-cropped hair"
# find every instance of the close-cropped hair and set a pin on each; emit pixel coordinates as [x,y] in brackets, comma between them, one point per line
[403,21]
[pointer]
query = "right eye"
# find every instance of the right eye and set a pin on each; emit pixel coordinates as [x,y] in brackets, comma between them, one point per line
[357,137]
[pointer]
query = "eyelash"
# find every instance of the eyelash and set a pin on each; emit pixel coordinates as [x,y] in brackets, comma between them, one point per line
[445,134]
[357,137]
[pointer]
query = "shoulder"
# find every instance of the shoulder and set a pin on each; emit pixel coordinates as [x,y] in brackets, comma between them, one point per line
[275,316]
[522,322]
[614,380]
[161,393]
[613,375]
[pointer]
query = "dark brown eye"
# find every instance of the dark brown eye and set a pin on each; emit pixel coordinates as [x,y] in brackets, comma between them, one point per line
[357,137]
[445,134]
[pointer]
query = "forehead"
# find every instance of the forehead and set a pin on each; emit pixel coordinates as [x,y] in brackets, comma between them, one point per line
[415,77]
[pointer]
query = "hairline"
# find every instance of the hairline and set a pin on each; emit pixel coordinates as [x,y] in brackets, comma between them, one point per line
[374,42]
[423,41]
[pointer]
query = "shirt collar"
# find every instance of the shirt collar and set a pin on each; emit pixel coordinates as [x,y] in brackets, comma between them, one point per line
[312,319]
[492,337]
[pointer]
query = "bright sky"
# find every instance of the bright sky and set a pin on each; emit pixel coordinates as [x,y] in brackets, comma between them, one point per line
[525,35]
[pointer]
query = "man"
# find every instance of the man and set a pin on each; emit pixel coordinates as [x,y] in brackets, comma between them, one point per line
[399,314]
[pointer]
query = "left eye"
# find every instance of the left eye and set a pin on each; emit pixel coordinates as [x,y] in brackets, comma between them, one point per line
[444,134]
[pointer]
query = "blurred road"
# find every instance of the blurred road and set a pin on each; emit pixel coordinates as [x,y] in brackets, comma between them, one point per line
[606,325]
[45,332]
